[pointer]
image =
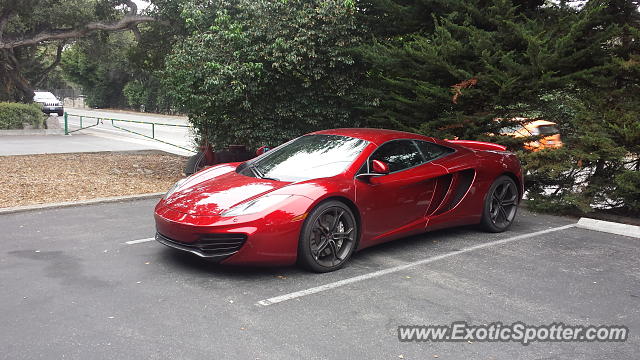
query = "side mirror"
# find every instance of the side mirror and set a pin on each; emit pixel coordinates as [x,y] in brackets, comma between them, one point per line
[380,167]
[262,150]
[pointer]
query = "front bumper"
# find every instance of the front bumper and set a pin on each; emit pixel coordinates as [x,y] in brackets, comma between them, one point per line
[52,109]
[268,239]
[215,248]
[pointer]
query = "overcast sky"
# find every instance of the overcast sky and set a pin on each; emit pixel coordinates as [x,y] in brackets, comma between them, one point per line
[141,4]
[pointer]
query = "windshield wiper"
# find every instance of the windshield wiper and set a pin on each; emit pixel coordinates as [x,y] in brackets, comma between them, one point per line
[259,173]
[254,169]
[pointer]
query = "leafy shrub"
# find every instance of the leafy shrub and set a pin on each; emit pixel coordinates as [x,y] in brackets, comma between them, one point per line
[148,92]
[265,71]
[136,94]
[13,115]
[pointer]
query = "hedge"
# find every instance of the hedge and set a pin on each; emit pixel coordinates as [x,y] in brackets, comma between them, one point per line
[14,115]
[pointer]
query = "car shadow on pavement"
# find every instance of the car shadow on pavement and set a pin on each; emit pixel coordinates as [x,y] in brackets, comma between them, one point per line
[412,248]
[374,258]
[198,266]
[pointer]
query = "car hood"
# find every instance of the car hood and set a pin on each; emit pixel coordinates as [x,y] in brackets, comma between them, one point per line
[217,189]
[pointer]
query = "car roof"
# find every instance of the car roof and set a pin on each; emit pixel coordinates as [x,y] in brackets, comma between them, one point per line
[376,136]
[46,93]
[537,123]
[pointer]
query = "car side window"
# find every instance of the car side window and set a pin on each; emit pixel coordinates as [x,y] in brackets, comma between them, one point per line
[398,154]
[432,151]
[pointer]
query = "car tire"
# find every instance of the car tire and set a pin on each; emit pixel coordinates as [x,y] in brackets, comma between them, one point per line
[195,163]
[328,238]
[500,205]
[61,113]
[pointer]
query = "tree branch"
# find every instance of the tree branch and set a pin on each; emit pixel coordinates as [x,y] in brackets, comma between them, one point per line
[133,8]
[126,23]
[136,33]
[55,63]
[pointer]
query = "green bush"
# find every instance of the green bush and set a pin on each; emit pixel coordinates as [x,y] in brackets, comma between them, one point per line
[265,71]
[149,93]
[14,115]
[136,93]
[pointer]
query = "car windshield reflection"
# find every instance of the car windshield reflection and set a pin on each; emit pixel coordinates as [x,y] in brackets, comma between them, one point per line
[307,157]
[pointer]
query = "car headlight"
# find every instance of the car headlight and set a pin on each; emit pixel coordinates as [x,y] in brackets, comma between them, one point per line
[257,205]
[175,187]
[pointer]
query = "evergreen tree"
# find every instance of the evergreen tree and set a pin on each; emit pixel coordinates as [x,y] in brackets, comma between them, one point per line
[513,58]
[575,66]
[600,165]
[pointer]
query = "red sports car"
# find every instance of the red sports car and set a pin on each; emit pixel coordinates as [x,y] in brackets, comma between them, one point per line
[318,198]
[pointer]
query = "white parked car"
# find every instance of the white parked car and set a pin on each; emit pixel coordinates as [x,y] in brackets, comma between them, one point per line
[50,103]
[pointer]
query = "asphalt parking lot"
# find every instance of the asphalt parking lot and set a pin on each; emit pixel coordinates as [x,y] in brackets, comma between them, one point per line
[72,287]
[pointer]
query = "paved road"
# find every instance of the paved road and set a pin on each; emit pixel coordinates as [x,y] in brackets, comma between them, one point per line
[72,288]
[170,134]
[37,144]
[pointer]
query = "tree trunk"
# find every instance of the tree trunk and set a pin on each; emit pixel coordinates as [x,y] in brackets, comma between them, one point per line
[14,87]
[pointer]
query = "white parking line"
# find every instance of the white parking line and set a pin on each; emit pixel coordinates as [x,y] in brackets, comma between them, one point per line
[139,241]
[333,285]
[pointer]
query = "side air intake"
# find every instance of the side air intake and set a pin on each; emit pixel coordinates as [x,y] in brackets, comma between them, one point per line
[458,185]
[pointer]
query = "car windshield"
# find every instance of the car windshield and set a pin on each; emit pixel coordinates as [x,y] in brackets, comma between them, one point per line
[44,96]
[547,130]
[307,157]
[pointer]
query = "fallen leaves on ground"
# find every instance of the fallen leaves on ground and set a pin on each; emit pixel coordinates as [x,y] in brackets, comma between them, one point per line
[49,178]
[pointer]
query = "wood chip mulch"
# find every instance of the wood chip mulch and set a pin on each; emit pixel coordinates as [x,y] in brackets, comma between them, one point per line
[49,178]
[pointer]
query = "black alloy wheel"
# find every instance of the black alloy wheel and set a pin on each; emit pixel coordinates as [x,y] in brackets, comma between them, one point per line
[501,205]
[328,237]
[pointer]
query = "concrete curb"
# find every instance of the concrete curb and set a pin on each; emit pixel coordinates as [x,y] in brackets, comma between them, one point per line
[17,209]
[609,227]
[32,132]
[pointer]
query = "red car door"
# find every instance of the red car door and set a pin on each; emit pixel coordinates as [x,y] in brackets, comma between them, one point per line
[395,204]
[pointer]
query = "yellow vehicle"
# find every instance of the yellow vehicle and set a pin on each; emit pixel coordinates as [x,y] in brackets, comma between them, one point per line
[550,134]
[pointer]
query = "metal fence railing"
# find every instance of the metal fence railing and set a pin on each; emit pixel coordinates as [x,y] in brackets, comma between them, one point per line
[100,120]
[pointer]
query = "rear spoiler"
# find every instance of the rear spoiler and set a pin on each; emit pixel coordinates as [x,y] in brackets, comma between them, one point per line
[478,145]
